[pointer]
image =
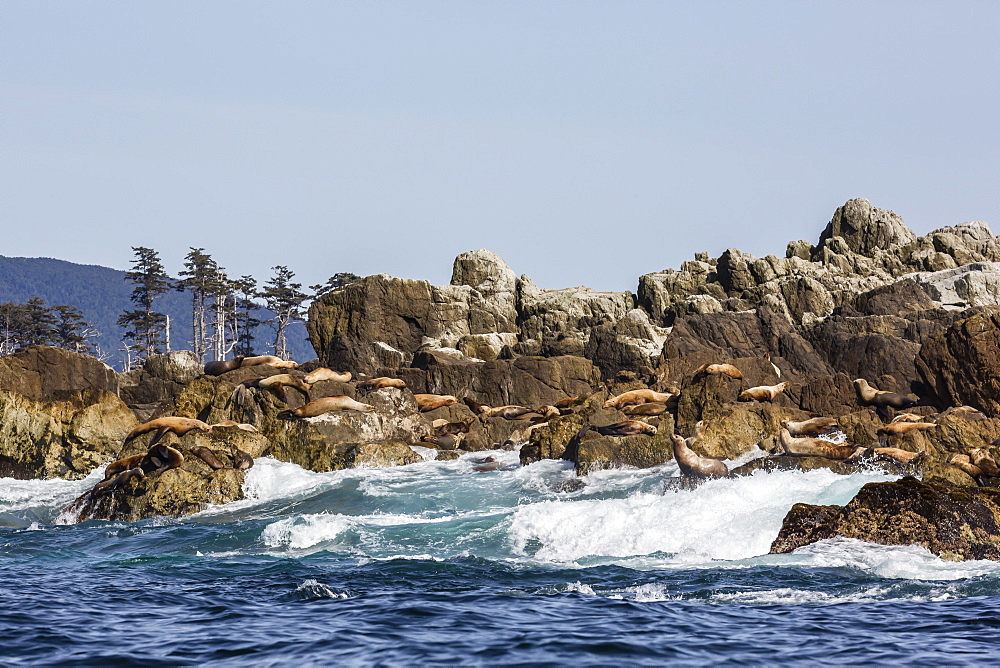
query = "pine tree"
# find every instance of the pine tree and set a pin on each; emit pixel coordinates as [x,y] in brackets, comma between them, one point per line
[337,281]
[286,300]
[245,289]
[40,323]
[198,277]
[144,326]
[71,330]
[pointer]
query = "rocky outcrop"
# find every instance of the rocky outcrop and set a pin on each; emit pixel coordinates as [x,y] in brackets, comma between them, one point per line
[958,365]
[159,381]
[44,372]
[955,523]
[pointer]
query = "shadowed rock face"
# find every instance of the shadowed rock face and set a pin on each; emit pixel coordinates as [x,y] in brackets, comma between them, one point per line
[955,523]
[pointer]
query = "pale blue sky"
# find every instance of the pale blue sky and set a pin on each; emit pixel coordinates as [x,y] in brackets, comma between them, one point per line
[587,143]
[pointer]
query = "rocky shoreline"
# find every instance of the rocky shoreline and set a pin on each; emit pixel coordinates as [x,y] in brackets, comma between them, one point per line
[917,317]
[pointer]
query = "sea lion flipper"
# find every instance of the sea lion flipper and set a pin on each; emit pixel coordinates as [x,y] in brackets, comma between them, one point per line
[158,434]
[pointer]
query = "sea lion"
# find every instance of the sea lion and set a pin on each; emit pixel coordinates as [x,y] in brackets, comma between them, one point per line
[116,467]
[548,412]
[428,402]
[219,367]
[278,382]
[161,457]
[814,447]
[474,405]
[242,460]
[907,417]
[163,425]
[899,455]
[642,396]
[881,399]
[567,402]
[119,480]
[653,408]
[270,360]
[325,405]
[726,369]
[208,456]
[763,392]
[626,428]
[441,441]
[368,386]
[964,463]
[488,464]
[324,373]
[509,412]
[811,427]
[897,428]
[982,458]
[245,426]
[693,465]
[452,428]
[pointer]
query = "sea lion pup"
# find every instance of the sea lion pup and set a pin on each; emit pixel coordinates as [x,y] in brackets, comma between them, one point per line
[982,458]
[899,455]
[811,427]
[642,396]
[814,447]
[163,425]
[653,408]
[219,367]
[208,456]
[763,392]
[242,460]
[727,369]
[693,465]
[626,428]
[116,467]
[881,399]
[161,457]
[325,405]
[428,402]
[324,373]
[119,480]
[897,428]
[368,386]
[270,360]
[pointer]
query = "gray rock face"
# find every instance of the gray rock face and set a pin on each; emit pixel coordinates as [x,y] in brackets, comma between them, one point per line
[975,284]
[865,229]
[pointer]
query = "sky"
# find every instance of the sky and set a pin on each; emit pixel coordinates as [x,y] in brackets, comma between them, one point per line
[587,143]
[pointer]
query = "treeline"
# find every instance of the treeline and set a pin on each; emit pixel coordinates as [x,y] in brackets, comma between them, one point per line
[36,324]
[223,310]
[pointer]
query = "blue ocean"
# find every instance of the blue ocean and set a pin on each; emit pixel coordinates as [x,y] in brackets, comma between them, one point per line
[438,563]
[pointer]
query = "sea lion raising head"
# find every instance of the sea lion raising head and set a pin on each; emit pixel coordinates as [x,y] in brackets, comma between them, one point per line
[368,386]
[693,465]
[881,399]
[763,392]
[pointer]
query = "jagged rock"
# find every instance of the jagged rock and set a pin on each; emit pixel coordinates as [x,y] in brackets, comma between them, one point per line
[60,438]
[558,322]
[957,366]
[632,343]
[161,378]
[485,271]
[970,285]
[955,523]
[43,372]
[594,452]
[865,229]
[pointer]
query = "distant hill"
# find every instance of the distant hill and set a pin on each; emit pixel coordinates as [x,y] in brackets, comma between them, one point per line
[102,294]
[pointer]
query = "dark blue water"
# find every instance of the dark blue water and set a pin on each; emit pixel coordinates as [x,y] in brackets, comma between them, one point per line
[433,563]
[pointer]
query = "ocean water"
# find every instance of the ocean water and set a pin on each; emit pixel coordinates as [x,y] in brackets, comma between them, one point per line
[435,563]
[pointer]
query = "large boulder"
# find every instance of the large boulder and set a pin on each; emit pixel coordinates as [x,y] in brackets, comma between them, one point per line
[43,372]
[161,378]
[955,523]
[957,366]
[865,229]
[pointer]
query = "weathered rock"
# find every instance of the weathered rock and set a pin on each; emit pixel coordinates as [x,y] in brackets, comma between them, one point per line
[43,372]
[61,438]
[160,379]
[865,229]
[955,523]
[957,366]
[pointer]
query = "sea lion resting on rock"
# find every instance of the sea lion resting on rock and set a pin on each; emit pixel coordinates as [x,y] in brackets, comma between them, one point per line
[163,425]
[638,397]
[119,480]
[982,458]
[811,427]
[881,399]
[626,428]
[270,360]
[428,402]
[368,386]
[897,428]
[245,426]
[815,447]
[509,412]
[325,405]
[442,441]
[116,467]
[899,455]
[276,384]
[726,369]
[653,408]
[219,367]
[907,417]
[693,465]
[442,427]
[763,392]
[324,373]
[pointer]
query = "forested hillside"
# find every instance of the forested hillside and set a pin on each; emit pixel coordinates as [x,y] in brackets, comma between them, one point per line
[102,294]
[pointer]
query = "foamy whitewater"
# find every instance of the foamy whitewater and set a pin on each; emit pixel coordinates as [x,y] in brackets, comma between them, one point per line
[434,562]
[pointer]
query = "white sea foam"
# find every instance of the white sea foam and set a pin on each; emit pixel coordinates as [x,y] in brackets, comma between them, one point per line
[21,494]
[316,589]
[728,519]
[306,532]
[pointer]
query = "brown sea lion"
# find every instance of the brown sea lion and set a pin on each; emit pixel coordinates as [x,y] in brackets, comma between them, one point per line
[116,467]
[899,455]
[368,386]
[897,428]
[487,464]
[811,427]
[548,412]
[982,458]
[814,447]
[653,408]
[161,457]
[693,465]
[964,463]
[474,405]
[509,412]
[763,392]
[242,460]
[245,426]
[208,456]
[119,480]
[726,369]
[219,367]
[567,402]
[163,425]
[325,405]
[626,428]
[428,402]
[907,417]
[881,399]
[324,373]
[270,360]
[278,382]
[441,441]
[452,427]
[638,397]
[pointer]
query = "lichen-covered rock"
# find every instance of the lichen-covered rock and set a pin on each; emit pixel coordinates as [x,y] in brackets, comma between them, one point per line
[61,438]
[161,378]
[955,523]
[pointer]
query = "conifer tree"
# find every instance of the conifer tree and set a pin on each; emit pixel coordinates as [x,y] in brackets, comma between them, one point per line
[335,282]
[144,326]
[40,323]
[245,290]
[286,299]
[199,277]
[71,330]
